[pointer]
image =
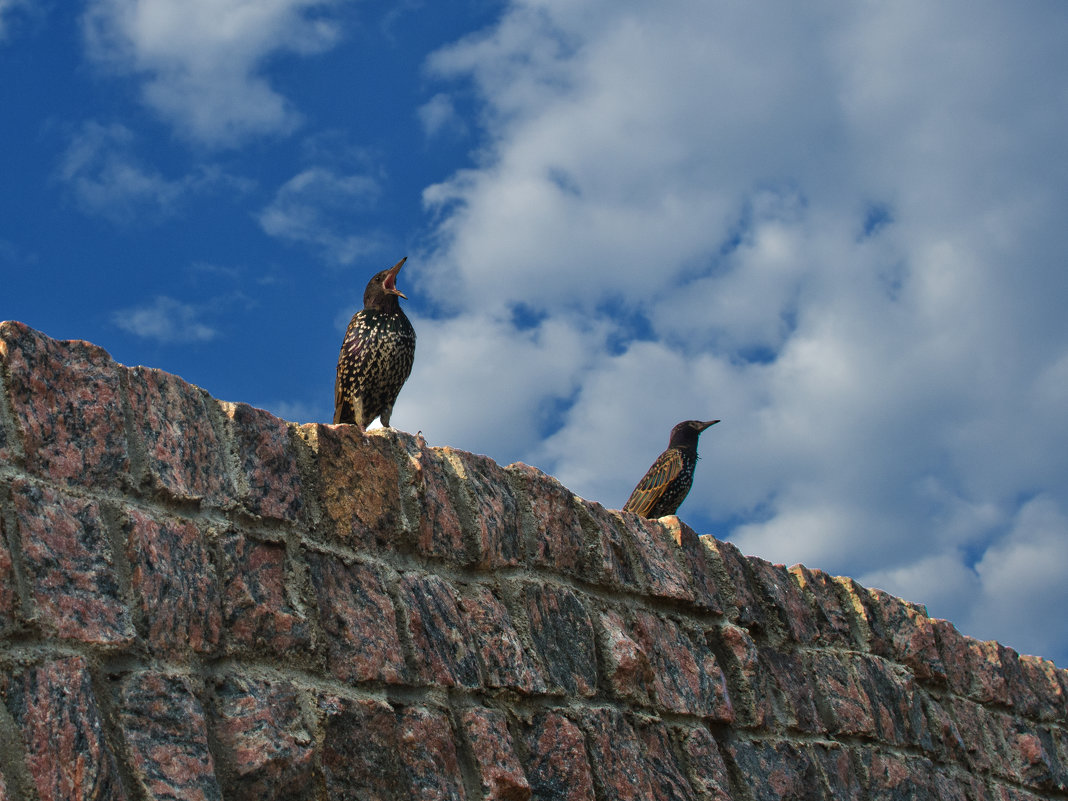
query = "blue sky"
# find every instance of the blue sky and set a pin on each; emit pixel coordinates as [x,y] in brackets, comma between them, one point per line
[840,227]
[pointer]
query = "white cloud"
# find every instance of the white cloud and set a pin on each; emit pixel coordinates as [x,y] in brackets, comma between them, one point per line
[202,62]
[8,9]
[840,229]
[166,320]
[319,207]
[108,180]
[439,115]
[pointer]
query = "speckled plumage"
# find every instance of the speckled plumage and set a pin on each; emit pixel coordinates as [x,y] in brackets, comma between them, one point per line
[667,482]
[376,355]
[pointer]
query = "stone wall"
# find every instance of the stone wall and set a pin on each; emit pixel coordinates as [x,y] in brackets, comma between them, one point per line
[201,601]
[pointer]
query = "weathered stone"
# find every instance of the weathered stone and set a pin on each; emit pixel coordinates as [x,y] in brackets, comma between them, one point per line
[777,771]
[834,618]
[492,513]
[611,564]
[893,777]
[563,636]
[499,772]
[898,630]
[698,564]
[686,677]
[628,670]
[505,660]
[707,771]
[433,481]
[767,686]
[558,541]
[174,583]
[666,777]
[359,486]
[266,745]
[743,607]
[845,705]
[66,398]
[70,571]
[556,765]
[9,601]
[267,463]
[361,759]
[1043,679]
[67,753]
[658,560]
[838,774]
[183,454]
[973,668]
[441,644]
[167,737]
[257,611]
[617,755]
[780,591]
[358,619]
[428,754]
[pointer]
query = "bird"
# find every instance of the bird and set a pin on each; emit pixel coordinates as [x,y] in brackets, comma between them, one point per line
[376,355]
[666,483]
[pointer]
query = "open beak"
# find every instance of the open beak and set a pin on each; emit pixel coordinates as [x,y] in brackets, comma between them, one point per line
[390,284]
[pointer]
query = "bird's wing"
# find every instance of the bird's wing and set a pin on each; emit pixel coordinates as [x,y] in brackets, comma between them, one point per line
[664,470]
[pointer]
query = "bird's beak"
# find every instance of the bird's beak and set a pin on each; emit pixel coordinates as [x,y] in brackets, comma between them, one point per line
[390,284]
[709,424]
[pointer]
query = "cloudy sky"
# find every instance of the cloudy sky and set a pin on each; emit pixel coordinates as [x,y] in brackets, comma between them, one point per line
[838,226]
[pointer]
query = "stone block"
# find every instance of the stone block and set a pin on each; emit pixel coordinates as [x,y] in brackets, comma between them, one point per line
[611,563]
[266,745]
[67,753]
[174,582]
[500,775]
[1043,679]
[839,777]
[834,617]
[629,673]
[657,558]
[359,620]
[430,479]
[184,455]
[257,611]
[557,766]
[167,738]
[973,668]
[664,770]
[707,595]
[442,650]
[562,631]
[899,630]
[359,486]
[777,771]
[767,686]
[558,542]
[686,677]
[66,399]
[707,771]
[505,659]
[488,509]
[361,760]
[269,476]
[743,606]
[428,755]
[778,588]
[66,553]
[617,755]
[9,600]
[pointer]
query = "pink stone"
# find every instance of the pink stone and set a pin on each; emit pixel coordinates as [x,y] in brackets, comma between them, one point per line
[499,771]
[267,463]
[505,657]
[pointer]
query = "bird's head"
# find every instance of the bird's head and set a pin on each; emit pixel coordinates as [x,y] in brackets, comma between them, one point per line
[382,292]
[685,434]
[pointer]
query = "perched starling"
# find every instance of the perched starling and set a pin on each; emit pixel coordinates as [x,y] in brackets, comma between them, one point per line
[666,483]
[377,354]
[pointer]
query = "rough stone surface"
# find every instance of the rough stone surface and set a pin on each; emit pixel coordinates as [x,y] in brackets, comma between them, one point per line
[66,398]
[68,560]
[201,601]
[67,754]
[165,730]
[174,582]
[359,619]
